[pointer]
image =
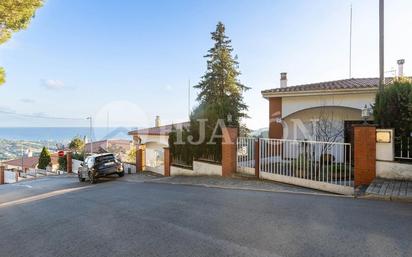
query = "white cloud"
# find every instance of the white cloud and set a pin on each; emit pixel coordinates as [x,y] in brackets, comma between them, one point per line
[7,109]
[27,100]
[53,84]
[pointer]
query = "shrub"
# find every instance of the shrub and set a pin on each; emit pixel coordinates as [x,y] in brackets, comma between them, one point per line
[78,156]
[393,107]
[63,163]
[44,159]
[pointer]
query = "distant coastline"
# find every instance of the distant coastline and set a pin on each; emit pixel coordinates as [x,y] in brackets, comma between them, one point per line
[61,134]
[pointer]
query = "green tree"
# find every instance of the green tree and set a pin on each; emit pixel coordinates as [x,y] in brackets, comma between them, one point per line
[131,155]
[393,107]
[77,145]
[44,159]
[63,163]
[15,15]
[220,95]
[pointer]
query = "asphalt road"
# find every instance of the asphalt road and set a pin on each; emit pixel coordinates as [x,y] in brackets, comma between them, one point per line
[120,218]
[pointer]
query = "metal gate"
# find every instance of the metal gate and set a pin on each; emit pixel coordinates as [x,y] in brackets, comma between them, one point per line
[246,155]
[325,166]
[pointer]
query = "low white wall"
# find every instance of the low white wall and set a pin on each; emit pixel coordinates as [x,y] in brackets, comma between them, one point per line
[246,170]
[386,151]
[199,169]
[178,171]
[204,168]
[158,169]
[130,166]
[393,170]
[345,190]
[76,165]
[9,177]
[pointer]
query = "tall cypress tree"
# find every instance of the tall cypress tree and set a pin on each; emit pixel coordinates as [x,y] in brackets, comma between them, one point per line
[220,96]
[44,159]
[221,93]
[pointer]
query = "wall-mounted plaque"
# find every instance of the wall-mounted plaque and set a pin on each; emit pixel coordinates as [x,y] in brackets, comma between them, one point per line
[383,137]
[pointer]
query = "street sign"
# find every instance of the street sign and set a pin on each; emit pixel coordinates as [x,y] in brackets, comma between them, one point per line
[61,153]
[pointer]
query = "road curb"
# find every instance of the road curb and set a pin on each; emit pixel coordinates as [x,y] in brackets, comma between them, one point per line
[386,198]
[251,189]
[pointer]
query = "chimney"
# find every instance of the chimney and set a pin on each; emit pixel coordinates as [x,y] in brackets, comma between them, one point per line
[157,121]
[283,79]
[400,67]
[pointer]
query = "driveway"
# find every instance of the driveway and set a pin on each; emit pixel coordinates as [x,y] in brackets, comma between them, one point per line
[121,217]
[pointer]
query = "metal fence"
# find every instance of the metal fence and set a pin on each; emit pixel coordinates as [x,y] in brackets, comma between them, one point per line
[321,162]
[246,154]
[403,148]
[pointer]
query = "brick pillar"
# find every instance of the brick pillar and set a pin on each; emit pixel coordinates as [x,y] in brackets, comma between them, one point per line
[364,153]
[257,157]
[275,116]
[229,151]
[167,161]
[140,158]
[69,162]
[1,175]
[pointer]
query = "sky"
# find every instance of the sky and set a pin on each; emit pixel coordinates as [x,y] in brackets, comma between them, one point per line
[124,62]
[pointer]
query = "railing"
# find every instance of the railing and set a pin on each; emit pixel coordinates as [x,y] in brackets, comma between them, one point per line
[403,148]
[328,162]
[176,161]
[245,153]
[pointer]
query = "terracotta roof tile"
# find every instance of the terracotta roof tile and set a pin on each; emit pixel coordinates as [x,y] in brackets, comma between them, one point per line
[353,83]
[162,130]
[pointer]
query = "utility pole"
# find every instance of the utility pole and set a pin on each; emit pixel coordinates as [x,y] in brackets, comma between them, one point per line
[381,46]
[350,43]
[91,132]
[22,158]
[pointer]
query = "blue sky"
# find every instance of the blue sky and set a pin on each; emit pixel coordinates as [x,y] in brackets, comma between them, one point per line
[132,60]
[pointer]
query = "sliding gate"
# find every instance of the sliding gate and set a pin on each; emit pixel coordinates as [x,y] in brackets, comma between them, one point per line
[325,166]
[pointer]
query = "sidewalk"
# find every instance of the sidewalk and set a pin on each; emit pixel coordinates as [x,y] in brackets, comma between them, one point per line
[239,183]
[390,190]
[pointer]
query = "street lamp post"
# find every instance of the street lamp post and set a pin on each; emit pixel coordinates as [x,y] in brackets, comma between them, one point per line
[381,45]
[91,131]
[365,114]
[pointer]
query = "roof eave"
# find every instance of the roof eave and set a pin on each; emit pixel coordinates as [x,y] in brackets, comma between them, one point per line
[269,94]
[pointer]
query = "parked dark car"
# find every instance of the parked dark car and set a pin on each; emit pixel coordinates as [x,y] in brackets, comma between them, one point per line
[99,165]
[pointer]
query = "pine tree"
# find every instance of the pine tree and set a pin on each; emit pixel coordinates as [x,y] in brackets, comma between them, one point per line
[221,93]
[15,16]
[44,159]
[220,96]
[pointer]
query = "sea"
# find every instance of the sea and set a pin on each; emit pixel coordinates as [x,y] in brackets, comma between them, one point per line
[62,134]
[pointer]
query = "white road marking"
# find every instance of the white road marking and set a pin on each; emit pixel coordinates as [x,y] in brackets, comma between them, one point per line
[41,196]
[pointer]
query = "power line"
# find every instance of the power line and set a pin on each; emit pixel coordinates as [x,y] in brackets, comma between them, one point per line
[39,116]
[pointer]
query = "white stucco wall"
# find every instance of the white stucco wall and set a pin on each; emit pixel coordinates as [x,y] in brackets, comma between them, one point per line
[299,125]
[76,164]
[154,151]
[199,168]
[357,100]
[204,168]
[178,171]
[393,170]
[386,151]
[9,177]
[132,167]
[154,138]
[154,157]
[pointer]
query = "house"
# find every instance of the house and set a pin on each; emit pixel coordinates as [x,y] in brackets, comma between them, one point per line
[320,111]
[152,141]
[120,147]
[30,162]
